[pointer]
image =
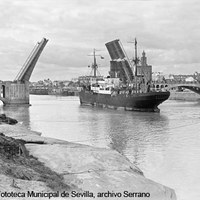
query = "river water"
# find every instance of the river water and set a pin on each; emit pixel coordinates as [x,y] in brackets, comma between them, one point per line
[165,145]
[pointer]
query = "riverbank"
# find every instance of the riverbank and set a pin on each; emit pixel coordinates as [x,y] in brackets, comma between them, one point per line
[80,170]
[185,96]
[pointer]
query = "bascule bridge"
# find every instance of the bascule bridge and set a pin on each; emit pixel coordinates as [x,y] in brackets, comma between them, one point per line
[17,92]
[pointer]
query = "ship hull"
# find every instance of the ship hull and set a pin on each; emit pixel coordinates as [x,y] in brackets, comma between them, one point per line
[147,102]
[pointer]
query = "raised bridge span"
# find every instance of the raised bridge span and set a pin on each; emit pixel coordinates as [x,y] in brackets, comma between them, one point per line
[17,92]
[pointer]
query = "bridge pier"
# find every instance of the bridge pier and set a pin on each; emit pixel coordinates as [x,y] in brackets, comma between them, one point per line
[17,92]
[14,93]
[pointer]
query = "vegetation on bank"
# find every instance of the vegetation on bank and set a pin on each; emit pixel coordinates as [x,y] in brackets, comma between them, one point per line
[16,162]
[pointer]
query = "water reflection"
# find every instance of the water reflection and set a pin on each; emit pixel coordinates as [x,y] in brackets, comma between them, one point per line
[21,113]
[133,134]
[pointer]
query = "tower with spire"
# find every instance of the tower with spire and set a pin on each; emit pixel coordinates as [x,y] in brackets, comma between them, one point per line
[143,69]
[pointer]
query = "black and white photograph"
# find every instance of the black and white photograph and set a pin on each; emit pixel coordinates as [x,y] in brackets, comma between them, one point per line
[99,99]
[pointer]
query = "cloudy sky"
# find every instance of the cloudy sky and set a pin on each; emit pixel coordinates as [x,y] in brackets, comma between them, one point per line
[168,30]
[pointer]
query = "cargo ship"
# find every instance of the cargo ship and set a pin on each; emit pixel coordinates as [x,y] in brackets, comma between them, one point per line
[128,85]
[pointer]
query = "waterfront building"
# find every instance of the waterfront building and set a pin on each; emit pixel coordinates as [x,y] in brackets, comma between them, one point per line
[144,69]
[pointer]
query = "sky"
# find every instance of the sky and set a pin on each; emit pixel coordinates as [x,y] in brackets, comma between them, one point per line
[168,31]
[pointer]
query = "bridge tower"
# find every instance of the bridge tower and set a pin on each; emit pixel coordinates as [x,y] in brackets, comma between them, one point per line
[17,92]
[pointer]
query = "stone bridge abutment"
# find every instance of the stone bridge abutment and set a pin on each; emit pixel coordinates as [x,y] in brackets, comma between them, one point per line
[17,92]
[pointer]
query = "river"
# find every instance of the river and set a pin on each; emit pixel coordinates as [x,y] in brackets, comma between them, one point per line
[165,145]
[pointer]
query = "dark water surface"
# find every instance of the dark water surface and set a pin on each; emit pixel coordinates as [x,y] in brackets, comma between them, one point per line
[165,145]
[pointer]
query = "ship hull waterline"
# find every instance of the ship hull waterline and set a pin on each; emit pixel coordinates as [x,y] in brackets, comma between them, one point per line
[144,102]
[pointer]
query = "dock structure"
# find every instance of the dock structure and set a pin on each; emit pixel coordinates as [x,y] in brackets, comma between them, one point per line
[17,92]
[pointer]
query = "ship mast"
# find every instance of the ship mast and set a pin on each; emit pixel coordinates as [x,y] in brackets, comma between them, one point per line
[95,64]
[136,59]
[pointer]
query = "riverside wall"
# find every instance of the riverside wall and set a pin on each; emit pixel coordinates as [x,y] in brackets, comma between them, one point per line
[185,96]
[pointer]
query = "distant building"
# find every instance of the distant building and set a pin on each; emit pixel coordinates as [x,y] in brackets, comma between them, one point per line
[180,78]
[88,79]
[190,79]
[144,69]
[158,77]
